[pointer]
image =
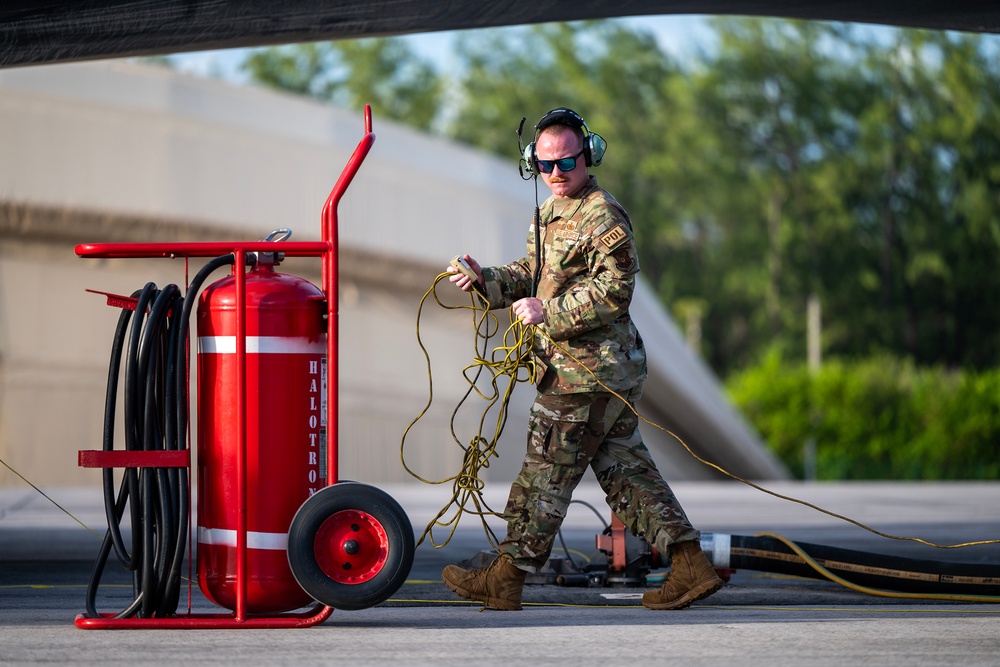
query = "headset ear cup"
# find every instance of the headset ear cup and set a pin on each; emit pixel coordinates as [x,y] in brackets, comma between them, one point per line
[530,159]
[595,148]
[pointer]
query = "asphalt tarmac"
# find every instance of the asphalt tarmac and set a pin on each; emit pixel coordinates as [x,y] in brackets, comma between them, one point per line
[46,558]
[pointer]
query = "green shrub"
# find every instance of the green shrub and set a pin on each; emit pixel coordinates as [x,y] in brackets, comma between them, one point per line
[880,418]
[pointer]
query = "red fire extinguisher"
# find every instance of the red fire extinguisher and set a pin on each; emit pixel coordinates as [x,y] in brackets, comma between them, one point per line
[285,432]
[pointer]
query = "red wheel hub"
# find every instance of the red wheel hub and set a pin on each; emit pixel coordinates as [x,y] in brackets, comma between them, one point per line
[351,547]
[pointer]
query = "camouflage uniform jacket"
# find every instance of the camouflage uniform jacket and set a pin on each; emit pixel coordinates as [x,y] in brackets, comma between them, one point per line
[589,264]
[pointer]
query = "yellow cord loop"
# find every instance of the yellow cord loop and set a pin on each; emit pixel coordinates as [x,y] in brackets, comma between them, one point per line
[824,572]
[511,359]
[46,496]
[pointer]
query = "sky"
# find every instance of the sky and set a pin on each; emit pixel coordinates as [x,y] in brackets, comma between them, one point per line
[679,35]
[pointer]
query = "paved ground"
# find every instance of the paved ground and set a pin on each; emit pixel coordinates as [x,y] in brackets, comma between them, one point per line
[758,618]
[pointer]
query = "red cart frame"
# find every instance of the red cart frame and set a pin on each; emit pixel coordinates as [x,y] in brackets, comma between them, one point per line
[327,249]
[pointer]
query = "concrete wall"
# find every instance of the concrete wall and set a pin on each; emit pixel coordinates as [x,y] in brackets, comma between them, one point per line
[112,151]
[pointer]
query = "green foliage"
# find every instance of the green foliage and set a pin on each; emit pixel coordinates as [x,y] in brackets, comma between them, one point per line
[380,71]
[881,418]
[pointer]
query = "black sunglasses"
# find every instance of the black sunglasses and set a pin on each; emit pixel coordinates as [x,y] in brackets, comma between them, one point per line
[564,163]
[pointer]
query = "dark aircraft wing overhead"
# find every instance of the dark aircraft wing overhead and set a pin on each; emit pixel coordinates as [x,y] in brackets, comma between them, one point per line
[43,31]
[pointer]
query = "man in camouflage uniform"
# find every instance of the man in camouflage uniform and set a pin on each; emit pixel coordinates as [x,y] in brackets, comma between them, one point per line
[584,288]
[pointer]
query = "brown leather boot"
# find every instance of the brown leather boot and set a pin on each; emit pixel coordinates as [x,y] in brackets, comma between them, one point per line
[691,578]
[498,586]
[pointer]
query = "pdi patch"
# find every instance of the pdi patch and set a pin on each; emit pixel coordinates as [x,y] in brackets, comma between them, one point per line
[623,259]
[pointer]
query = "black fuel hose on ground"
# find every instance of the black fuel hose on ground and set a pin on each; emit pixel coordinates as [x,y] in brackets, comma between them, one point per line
[156,418]
[876,571]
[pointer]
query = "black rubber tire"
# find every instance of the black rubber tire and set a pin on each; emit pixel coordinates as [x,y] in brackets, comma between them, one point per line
[389,517]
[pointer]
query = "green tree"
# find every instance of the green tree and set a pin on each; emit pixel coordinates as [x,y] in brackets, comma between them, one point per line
[926,202]
[861,172]
[380,71]
[769,100]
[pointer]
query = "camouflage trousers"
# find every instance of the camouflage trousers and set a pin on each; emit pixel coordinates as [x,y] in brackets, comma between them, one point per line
[566,434]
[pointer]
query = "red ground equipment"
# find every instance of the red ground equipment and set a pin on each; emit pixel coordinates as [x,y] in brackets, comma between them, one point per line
[276,529]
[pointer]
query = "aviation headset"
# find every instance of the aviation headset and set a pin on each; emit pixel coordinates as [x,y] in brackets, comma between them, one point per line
[594,145]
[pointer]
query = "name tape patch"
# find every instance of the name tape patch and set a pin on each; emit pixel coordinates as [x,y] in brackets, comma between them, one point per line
[612,237]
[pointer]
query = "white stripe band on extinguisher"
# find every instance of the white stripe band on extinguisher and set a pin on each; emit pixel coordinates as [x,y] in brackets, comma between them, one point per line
[262,345]
[222,537]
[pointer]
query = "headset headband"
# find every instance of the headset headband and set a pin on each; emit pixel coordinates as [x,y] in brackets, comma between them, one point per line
[562,116]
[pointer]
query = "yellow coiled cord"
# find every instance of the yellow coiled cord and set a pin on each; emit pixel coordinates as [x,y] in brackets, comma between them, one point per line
[512,360]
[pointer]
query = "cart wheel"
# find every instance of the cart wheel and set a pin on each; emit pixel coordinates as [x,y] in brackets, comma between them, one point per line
[350,546]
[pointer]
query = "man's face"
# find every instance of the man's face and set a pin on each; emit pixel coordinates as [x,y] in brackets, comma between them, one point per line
[556,143]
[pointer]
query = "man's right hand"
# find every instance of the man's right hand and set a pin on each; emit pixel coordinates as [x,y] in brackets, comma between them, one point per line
[463,281]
